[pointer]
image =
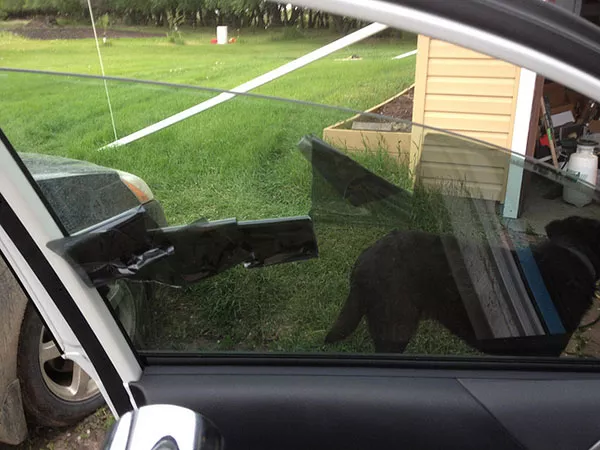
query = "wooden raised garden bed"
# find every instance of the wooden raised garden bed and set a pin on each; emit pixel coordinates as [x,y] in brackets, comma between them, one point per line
[367,133]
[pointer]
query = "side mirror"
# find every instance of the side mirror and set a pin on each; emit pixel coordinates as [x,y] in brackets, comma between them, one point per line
[163,427]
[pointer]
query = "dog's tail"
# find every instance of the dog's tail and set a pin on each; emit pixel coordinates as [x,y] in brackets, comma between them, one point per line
[348,319]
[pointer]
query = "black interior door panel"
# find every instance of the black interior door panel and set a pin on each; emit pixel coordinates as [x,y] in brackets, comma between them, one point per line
[364,408]
[562,412]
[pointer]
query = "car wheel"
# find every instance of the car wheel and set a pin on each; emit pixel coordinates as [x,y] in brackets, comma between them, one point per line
[57,392]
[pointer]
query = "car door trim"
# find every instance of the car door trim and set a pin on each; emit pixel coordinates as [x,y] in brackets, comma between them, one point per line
[12,229]
[85,324]
[331,407]
[400,361]
[542,26]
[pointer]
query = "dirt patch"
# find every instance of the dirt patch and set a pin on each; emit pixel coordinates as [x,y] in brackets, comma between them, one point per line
[400,108]
[89,434]
[43,31]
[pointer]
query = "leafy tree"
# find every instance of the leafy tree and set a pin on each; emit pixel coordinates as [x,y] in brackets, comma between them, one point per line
[235,13]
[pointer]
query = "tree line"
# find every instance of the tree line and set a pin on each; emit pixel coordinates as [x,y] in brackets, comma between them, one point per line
[196,13]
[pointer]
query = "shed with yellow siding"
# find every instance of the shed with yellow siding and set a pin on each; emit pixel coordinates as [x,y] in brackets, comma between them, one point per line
[471,94]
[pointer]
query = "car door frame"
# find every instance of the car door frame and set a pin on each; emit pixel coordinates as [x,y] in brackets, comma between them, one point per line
[77,316]
[83,324]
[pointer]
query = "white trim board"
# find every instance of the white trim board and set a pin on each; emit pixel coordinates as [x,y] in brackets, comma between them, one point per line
[519,142]
[313,56]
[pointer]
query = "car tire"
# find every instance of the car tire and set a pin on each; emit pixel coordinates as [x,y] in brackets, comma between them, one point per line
[57,392]
[43,406]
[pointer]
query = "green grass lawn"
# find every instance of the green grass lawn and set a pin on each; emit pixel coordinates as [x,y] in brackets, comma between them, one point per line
[239,159]
[200,63]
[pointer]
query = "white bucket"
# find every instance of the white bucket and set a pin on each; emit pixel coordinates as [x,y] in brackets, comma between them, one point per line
[222,35]
[585,164]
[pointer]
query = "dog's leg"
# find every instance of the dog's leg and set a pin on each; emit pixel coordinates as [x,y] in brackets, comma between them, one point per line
[391,330]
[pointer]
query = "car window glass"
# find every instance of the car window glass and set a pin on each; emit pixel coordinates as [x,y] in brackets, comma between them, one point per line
[326,229]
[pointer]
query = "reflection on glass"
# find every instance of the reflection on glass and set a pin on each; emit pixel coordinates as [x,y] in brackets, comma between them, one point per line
[415,253]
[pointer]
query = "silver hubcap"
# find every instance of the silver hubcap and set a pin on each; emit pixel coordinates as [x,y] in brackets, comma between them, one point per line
[66,379]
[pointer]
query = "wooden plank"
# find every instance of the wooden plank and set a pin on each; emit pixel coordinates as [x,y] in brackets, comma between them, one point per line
[444,139]
[468,122]
[466,189]
[470,94]
[371,109]
[476,86]
[372,126]
[462,180]
[469,267]
[498,139]
[463,141]
[469,103]
[478,157]
[515,96]
[419,98]
[475,273]
[523,311]
[469,173]
[549,130]
[512,125]
[394,143]
[420,78]
[442,49]
[465,67]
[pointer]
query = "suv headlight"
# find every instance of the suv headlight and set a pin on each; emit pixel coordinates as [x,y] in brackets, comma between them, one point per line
[137,186]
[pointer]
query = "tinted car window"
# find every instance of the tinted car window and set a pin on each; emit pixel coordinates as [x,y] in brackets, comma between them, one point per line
[295,227]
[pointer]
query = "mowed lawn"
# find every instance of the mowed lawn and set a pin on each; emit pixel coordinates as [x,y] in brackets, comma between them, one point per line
[239,159]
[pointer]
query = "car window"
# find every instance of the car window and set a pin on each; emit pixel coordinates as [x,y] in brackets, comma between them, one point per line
[425,211]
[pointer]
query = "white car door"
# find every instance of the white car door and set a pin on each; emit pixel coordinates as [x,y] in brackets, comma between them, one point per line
[264,397]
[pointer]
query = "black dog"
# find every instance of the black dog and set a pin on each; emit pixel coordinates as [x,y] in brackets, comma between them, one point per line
[405,276]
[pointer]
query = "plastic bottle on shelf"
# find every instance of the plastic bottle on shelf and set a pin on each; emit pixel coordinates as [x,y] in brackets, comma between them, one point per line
[583,163]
